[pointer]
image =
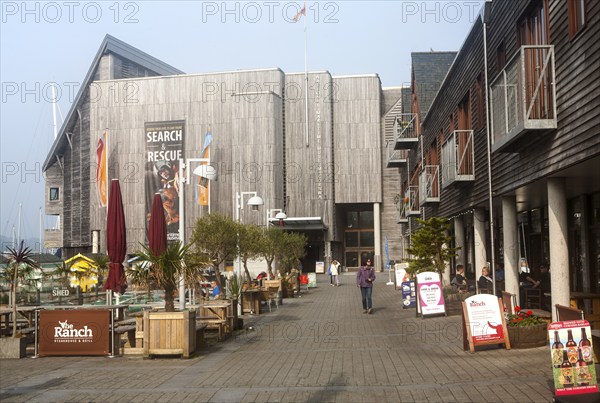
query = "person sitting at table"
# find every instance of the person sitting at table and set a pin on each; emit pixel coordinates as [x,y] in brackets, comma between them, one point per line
[485,282]
[459,281]
[216,290]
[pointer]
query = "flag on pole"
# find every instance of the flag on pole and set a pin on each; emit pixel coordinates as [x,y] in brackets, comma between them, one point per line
[300,13]
[102,170]
[202,186]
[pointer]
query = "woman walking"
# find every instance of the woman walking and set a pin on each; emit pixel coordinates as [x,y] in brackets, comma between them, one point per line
[364,280]
[334,269]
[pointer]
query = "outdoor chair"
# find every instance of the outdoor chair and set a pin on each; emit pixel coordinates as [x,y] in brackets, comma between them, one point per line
[509,300]
[533,298]
[271,294]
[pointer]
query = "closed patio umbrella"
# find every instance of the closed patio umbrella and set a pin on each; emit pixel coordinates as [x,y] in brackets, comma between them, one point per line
[116,241]
[157,228]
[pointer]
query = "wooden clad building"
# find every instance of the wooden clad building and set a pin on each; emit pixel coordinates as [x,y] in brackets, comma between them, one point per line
[542,178]
[145,116]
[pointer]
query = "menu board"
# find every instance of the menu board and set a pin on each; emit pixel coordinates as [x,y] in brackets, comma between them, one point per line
[429,294]
[484,321]
[319,267]
[312,280]
[572,358]
[401,274]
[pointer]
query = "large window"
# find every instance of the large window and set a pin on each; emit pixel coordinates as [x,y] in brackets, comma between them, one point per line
[359,237]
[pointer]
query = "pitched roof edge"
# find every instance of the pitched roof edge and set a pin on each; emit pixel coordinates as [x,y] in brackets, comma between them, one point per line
[114,45]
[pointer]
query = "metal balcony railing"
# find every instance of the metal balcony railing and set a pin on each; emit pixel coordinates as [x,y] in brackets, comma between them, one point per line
[523,96]
[458,158]
[411,198]
[395,158]
[429,185]
[405,131]
[401,216]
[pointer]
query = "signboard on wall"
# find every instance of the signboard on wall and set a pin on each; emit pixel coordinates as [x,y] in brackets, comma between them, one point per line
[74,332]
[164,149]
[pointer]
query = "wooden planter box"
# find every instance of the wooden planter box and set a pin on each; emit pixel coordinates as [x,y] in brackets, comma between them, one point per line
[528,336]
[170,333]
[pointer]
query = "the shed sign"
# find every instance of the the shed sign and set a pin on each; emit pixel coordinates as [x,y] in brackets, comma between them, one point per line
[74,332]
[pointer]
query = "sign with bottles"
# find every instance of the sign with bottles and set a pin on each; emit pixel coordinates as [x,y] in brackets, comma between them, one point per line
[572,357]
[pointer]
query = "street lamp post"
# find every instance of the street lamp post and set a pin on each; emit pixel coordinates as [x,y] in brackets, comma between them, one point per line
[205,170]
[254,202]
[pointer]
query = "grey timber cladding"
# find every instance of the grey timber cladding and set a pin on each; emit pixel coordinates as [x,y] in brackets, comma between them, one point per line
[247,139]
[357,140]
[310,169]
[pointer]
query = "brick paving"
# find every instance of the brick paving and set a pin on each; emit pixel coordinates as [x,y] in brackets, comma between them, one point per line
[317,348]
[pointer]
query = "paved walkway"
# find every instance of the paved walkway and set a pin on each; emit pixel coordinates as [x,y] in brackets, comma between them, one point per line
[317,348]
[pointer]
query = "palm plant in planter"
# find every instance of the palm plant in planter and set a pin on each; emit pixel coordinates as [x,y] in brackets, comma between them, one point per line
[162,271]
[20,268]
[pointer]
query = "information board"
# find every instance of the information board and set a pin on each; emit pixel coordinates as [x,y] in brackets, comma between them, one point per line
[320,267]
[429,294]
[484,321]
[572,358]
[312,280]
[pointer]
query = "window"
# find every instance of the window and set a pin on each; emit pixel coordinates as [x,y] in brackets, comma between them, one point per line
[359,237]
[576,16]
[53,194]
[533,31]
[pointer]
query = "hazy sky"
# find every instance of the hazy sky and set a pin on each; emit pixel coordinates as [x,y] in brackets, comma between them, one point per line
[45,42]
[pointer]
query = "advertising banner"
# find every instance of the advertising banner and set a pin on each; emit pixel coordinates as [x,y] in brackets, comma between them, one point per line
[312,280]
[409,294]
[164,149]
[572,357]
[485,318]
[74,332]
[429,292]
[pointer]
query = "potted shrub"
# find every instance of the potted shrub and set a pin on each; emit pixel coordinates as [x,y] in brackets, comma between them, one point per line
[20,268]
[162,271]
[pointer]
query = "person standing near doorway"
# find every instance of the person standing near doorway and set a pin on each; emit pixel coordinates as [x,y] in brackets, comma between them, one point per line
[335,271]
[364,280]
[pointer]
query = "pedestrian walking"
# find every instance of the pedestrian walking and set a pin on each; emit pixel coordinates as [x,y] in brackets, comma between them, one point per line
[364,280]
[335,271]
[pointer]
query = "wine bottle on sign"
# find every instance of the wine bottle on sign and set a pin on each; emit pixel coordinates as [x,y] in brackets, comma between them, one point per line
[571,348]
[557,351]
[586,348]
[566,371]
[582,372]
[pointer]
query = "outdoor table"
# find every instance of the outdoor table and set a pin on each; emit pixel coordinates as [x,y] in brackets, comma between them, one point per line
[214,314]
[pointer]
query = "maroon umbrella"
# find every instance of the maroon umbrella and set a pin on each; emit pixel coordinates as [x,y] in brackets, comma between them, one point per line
[157,228]
[116,241]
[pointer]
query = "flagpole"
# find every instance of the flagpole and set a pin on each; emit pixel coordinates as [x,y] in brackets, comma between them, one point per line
[305,81]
